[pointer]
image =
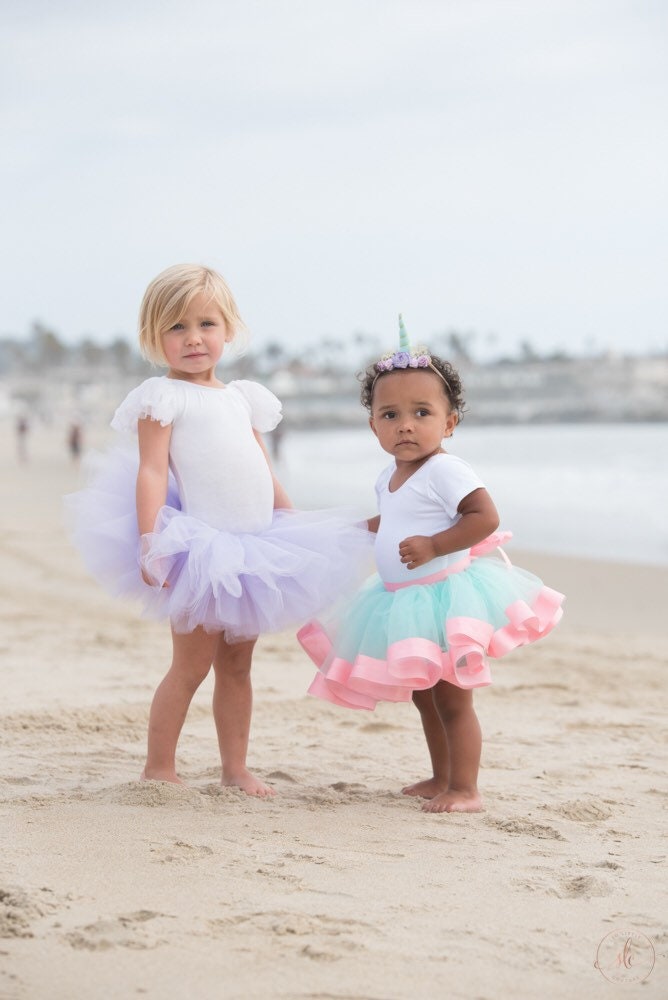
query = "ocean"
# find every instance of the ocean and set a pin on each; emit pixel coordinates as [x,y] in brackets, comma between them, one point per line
[595,490]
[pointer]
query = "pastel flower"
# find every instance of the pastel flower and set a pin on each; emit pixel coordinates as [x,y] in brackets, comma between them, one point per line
[423,361]
[401,359]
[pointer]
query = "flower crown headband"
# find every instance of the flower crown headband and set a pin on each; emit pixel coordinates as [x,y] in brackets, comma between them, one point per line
[406,357]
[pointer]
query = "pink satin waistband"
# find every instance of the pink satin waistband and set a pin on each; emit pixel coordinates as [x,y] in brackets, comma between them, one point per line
[493,541]
[434,577]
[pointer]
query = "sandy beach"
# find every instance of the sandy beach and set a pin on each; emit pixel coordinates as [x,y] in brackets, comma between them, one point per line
[339,888]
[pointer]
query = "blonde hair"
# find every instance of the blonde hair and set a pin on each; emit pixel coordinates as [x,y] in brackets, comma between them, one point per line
[167,298]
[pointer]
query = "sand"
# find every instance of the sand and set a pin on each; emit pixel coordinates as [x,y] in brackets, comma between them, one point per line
[339,887]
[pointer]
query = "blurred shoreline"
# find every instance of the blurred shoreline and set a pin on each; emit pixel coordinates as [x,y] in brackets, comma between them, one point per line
[583,490]
[320,393]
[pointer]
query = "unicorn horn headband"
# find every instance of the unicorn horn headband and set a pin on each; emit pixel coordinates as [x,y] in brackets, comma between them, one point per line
[404,343]
[406,357]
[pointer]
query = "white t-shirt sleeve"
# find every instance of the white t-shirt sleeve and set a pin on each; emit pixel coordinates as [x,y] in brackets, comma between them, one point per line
[264,408]
[450,480]
[157,398]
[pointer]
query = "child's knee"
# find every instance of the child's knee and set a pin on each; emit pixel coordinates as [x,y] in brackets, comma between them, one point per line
[424,701]
[234,662]
[451,700]
[192,674]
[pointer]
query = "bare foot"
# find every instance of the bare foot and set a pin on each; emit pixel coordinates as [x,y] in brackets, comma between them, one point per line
[156,775]
[454,801]
[425,789]
[248,783]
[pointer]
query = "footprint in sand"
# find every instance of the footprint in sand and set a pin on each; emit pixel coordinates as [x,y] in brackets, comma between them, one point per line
[152,794]
[572,887]
[315,936]
[18,911]
[582,810]
[281,776]
[582,886]
[311,859]
[351,788]
[180,852]
[124,931]
[524,828]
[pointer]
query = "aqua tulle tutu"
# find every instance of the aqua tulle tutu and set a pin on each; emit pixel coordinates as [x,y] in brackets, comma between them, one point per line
[387,643]
[242,584]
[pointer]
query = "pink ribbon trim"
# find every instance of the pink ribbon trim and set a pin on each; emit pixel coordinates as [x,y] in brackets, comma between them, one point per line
[324,689]
[493,541]
[411,665]
[433,578]
[468,639]
[417,664]
[314,640]
[528,623]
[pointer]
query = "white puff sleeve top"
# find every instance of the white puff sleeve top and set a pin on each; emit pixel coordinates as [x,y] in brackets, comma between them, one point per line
[220,469]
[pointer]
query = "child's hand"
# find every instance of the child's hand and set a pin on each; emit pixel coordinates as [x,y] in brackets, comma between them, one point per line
[150,580]
[417,550]
[144,547]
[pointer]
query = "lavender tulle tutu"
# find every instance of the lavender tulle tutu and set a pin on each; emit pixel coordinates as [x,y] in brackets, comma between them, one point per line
[390,641]
[242,584]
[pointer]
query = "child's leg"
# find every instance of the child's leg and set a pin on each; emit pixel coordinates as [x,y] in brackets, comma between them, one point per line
[437,744]
[191,662]
[455,708]
[232,707]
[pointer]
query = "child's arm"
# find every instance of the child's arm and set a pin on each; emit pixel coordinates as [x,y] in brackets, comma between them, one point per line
[153,474]
[281,499]
[478,520]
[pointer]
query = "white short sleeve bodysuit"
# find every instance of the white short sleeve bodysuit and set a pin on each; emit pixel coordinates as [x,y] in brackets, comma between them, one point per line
[221,471]
[424,505]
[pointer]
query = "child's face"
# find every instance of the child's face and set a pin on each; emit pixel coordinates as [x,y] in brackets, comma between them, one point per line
[195,344]
[410,414]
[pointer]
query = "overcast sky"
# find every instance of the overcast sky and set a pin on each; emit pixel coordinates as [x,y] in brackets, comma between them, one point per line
[489,166]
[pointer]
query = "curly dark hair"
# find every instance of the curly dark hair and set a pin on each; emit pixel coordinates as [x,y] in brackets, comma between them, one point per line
[452,384]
